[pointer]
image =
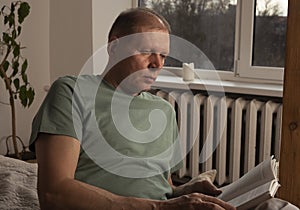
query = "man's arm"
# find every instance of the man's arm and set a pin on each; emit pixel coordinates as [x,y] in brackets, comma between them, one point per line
[57,158]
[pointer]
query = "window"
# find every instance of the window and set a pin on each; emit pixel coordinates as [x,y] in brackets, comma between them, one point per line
[262,45]
[244,37]
[269,34]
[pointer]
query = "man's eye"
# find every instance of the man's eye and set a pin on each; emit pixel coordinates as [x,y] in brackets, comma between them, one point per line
[150,52]
[163,55]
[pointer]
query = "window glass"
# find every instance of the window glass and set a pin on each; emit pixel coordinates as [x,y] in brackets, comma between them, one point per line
[208,24]
[269,33]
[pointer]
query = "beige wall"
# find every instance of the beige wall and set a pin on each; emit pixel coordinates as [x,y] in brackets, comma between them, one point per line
[60,37]
[77,29]
[104,13]
[70,36]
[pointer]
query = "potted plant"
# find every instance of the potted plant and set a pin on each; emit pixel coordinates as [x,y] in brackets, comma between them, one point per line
[13,65]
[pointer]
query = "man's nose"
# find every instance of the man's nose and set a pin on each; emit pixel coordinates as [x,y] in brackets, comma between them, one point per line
[157,61]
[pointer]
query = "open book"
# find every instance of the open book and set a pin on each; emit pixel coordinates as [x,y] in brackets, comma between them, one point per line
[256,186]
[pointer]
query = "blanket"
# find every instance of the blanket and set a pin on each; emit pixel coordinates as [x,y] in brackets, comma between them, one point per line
[18,182]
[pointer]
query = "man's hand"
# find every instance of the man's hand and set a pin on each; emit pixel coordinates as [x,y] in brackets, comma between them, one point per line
[195,201]
[198,186]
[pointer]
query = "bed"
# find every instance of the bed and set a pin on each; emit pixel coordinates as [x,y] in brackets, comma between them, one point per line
[18,181]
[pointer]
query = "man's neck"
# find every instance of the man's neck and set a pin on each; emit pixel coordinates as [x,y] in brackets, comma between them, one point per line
[110,80]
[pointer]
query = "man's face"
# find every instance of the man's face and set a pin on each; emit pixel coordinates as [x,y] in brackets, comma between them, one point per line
[141,57]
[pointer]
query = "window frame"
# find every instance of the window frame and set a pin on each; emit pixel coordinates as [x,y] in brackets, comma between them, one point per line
[244,62]
[243,70]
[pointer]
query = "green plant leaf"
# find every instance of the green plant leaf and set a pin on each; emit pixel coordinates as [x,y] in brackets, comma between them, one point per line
[19,30]
[17,83]
[13,43]
[5,20]
[12,7]
[6,38]
[23,95]
[11,19]
[5,65]
[15,67]
[24,66]
[30,96]
[16,51]
[23,11]
[24,78]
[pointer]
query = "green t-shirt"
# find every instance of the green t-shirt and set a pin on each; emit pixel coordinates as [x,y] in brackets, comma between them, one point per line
[129,145]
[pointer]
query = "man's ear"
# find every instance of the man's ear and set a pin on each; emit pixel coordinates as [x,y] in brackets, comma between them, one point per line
[112,45]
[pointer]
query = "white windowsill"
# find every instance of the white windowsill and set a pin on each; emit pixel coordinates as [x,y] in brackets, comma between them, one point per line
[249,88]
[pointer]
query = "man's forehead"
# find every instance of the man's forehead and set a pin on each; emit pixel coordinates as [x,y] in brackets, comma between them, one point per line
[150,39]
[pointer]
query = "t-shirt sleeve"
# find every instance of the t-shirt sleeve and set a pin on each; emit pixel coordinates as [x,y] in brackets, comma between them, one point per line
[57,114]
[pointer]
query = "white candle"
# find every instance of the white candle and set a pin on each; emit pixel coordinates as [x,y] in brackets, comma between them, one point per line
[188,73]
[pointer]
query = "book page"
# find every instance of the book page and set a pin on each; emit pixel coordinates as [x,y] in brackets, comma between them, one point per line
[255,196]
[262,173]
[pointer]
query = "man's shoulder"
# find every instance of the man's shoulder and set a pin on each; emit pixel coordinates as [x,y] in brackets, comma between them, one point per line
[70,81]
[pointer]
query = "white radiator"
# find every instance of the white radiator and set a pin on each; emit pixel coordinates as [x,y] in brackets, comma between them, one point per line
[231,135]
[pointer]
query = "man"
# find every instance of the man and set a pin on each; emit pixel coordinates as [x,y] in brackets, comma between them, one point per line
[103,143]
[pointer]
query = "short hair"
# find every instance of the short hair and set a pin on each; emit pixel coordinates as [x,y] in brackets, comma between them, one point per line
[129,21]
